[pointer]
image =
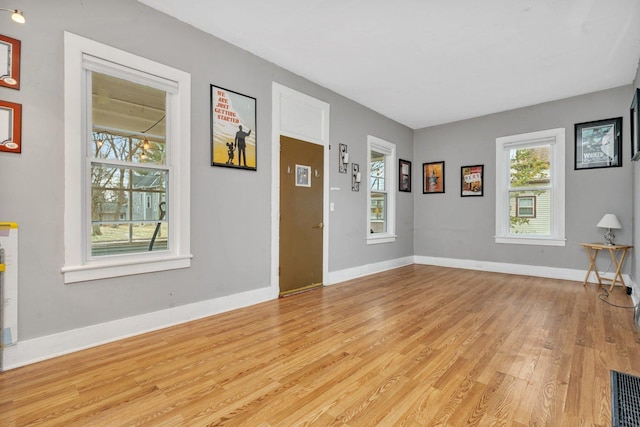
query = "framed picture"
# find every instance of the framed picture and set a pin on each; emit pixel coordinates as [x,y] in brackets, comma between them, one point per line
[635,132]
[471,180]
[10,127]
[303,176]
[356,177]
[9,62]
[404,179]
[433,177]
[233,129]
[599,144]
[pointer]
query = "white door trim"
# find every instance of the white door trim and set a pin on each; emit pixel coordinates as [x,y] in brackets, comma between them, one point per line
[303,117]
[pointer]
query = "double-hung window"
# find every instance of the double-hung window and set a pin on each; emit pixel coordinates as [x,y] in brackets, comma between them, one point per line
[526,206]
[530,202]
[126,163]
[381,201]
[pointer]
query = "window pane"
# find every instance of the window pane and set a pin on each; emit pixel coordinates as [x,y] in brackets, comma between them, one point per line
[128,121]
[378,213]
[532,219]
[377,179]
[525,202]
[106,145]
[529,167]
[119,196]
[111,239]
[109,205]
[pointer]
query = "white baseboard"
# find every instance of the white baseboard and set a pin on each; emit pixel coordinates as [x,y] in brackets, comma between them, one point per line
[42,348]
[364,270]
[526,270]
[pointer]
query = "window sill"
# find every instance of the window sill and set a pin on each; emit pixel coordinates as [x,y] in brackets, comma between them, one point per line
[109,269]
[384,238]
[539,241]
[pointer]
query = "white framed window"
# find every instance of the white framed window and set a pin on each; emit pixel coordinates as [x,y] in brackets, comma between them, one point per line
[530,188]
[526,206]
[381,191]
[127,163]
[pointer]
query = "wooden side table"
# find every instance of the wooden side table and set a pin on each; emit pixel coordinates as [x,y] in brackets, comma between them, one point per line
[592,251]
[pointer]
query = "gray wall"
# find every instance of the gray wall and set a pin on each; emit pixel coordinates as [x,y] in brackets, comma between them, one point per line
[230,209]
[450,226]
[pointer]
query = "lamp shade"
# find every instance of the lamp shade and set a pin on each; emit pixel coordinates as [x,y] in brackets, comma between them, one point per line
[18,17]
[609,221]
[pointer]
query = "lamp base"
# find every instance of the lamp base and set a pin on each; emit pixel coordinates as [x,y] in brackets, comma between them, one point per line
[609,236]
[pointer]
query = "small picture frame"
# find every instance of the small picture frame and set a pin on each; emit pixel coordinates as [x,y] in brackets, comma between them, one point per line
[472,181]
[635,126]
[234,143]
[598,144]
[303,176]
[10,127]
[356,177]
[9,62]
[433,177]
[404,176]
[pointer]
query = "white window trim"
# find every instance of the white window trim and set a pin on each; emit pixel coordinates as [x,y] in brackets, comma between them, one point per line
[78,267]
[556,137]
[389,150]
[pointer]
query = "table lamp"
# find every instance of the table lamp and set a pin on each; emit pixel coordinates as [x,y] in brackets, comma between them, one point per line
[609,221]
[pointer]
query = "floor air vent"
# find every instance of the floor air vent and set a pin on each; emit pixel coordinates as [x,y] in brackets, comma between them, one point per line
[625,400]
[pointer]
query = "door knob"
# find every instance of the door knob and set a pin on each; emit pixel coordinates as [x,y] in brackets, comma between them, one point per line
[321,225]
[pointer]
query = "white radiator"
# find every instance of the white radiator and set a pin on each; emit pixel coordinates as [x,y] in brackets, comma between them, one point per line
[9,283]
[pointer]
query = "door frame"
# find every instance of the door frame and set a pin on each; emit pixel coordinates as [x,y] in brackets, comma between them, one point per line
[303,117]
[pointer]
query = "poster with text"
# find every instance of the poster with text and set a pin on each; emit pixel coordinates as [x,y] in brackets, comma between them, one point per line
[471,180]
[233,129]
[599,144]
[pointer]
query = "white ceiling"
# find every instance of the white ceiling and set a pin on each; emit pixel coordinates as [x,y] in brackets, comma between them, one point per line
[427,62]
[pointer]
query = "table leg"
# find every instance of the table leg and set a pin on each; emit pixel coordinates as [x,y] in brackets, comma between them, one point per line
[592,265]
[618,265]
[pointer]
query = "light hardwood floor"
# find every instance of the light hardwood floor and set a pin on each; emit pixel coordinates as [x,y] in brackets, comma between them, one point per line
[419,345]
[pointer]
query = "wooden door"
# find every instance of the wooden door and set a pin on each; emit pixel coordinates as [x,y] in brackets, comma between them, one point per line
[301,210]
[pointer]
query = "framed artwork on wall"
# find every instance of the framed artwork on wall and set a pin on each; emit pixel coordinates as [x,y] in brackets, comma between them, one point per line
[404,179]
[635,122]
[472,181]
[303,176]
[598,144]
[10,127]
[356,177]
[233,129]
[433,177]
[9,62]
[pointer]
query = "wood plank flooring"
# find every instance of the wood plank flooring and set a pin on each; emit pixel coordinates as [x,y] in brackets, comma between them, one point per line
[416,346]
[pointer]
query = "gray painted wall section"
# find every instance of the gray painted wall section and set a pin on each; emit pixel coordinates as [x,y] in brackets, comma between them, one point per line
[230,211]
[450,226]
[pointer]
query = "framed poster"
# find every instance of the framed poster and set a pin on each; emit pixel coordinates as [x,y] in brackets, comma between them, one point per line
[404,178]
[471,181]
[599,144]
[433,177]
[303,176]
[10,127]
[233,129]
[635,122]
[9,62]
